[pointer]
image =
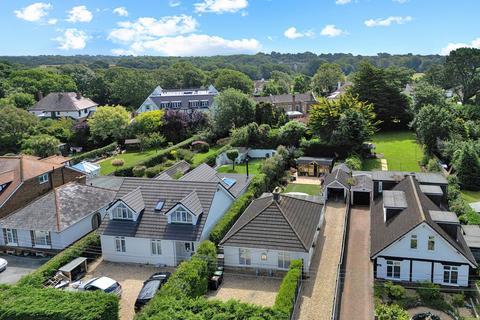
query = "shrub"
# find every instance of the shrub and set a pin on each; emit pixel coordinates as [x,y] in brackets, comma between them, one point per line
[354,162]
[189,280]
[429,292]
[390,312]
[153,171]
[117,162]
[285,299]
[48,269]
[207,251]
[139,171]
[20,303]
[201,146]
[94,153]
[394,291]
[433,165]
[458,300]
[258,185]
[184,154]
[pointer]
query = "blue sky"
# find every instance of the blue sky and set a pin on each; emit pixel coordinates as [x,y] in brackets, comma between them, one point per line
[209,27]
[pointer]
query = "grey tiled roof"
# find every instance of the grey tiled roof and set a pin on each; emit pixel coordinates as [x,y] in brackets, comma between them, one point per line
[394,199]
[63,101]
[320,161]
[287,98]
[288,224]
[192,203]
[342,166]
[418,211]
[444,216]
[184,99]
[362,182]
[471,233]
[134,200]
[106,182]
[59,209]
[422,177]
[153,224]
[431,189]
[167,174]
[338,175]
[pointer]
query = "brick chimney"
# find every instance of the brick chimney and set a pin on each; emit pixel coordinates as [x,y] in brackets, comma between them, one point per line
[276,194]
[79,96]
[39,95]
[294,104]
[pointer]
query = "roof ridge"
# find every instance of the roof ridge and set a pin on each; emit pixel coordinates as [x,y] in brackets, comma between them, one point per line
[57,208]
[291,226]
[417,198]
[301,199]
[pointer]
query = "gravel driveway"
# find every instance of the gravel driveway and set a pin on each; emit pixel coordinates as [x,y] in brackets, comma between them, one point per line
[319,290]
[248,288]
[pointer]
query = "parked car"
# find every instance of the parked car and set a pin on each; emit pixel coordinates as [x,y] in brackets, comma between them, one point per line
[216,280]
[104,284]
[3,264]
[150,288]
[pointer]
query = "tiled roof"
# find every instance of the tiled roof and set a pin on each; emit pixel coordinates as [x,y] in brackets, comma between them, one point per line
[192,203]
[134,199]
[422,177]
[338,175]
[319,161]
[287,98]
[180,166]
[63,101]
[287,224]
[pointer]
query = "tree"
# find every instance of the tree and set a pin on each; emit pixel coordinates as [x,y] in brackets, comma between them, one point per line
[34,81]
[226,78]
[327,78]
[109,123]
[399,76]
[89,83]
[463,72]
[267,113]
[231,109]
[232,154]
[62,129]
[41,145]
[15,125]
[279,83]
[153,140]
[300,84]
[432,123]
[18,99]
[467,166]
[331,120]
[149,122]
[435,75]
[292,132]
[424,94]
[370,84]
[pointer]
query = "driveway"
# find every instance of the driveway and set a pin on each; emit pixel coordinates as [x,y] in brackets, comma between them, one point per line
[248,288]
[319,290]
[357,295]
[18,267]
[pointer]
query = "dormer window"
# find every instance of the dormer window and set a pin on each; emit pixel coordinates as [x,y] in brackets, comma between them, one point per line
[181,215]
[122,212]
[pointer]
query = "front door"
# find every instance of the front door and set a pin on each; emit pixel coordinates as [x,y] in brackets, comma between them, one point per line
[184,250]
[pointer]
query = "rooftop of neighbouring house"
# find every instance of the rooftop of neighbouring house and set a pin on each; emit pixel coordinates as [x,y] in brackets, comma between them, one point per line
[287,98]
[63,101]
[159,91]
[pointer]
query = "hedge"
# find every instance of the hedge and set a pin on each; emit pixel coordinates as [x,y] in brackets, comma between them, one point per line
[94,153]
[20,303]
[48,269]
[154,160]
[285,300]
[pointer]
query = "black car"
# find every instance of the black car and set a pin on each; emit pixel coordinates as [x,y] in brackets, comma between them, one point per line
[150,288]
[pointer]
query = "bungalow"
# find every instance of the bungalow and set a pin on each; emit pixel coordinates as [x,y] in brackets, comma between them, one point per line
[161,222]
[64,105]
[272,231]
[57,219]
[413,240]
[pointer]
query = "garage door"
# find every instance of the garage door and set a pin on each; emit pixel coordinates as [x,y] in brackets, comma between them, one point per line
[336,194]
[361,198]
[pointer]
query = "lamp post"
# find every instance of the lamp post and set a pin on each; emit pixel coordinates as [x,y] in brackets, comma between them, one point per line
[246,162]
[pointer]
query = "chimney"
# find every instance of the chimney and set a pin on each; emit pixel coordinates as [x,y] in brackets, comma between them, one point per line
[79,96]
[39,95]
[294,105]
[276,194]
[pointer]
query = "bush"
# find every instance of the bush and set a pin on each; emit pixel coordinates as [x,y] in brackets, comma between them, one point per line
[201,146]
[354,162]
[117,162]
[20,303]
[433,165]
[207,251]
[94,153]
[258,185]
[394,291]
[429,292]
[139,171]
[48,269]
[190,279]
[285,299]
[458,300]
[184,154]
[390,312]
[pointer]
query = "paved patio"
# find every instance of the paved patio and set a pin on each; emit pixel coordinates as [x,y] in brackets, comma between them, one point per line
[357,295]
[319,290]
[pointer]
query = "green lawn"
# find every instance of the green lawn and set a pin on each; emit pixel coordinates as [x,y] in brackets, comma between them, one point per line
[311,189]
[399,148]
[471,196]
[253,167]
[199,158]
[130,158]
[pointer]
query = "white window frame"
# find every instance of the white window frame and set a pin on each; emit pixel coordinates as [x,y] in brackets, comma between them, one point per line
[414,238]
[380,186]
[122,212]
[43,178]
[44,236]
[156,247]
[283,260]
[244,257]
[449,271]
[431,240]
[181,215]
[120,245]
[12,237]
[394,264]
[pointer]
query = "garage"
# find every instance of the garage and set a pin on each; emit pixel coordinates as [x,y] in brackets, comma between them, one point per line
[360,198]
[361,190]
[335,194]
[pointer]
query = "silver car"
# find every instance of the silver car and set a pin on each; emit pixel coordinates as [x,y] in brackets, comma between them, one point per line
[104,284]
[3,264]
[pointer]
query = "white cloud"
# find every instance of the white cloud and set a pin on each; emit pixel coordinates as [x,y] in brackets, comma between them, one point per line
[52,21]
[331,30]
[79,14]
[72,39]
[342,1]
[193,45]
[146,28]
[121,11]
[453,46]
[220,6]
[174,3]
[387,21]
[293,33]
[34,12]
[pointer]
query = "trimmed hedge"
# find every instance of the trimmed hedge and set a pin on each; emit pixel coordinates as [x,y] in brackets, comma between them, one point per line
[211,159]
[285,300]
[95,153]
[20,303]
[154,160]
[48,269]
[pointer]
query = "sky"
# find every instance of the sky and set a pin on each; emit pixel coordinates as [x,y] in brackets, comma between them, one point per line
[211,27]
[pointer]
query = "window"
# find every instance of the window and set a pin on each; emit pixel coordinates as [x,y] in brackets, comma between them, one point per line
[43,178]
[181,215]
[380,186]
[156,247]
[264,256]
[431,243]
[393,269]
[189,246]
[450,274]
[413,241]
[244,257]
[120,244]
[3,187]
[12,237]
[204,103]
[283,260]
[122,212]
[42,238]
